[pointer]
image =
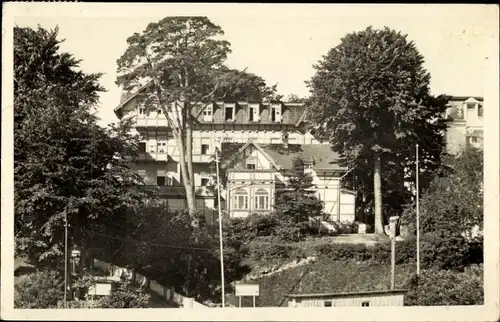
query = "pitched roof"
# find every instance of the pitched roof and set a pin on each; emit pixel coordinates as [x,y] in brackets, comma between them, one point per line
[320,155]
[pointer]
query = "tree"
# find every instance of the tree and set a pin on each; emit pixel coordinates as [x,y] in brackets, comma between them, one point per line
[180,60]
[40,290]
[298,201]
[65,165]
[453,204]
[370,96]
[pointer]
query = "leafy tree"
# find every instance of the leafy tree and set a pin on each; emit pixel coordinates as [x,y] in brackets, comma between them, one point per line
[453,204]
[298,201]
[370,96]
[65,165]
[178,65]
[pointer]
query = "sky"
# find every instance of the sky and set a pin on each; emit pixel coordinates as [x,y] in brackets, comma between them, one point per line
[281,43]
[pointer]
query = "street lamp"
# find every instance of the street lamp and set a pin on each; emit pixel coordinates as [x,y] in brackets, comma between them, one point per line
[217,154]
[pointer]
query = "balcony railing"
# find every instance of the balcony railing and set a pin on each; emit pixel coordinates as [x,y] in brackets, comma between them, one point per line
[178,190]
[152,122]
[251,176]
[152,156]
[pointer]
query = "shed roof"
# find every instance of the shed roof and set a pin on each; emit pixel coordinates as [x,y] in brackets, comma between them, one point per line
[346,294]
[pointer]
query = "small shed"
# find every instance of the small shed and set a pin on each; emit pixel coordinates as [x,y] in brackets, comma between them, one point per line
[369,298]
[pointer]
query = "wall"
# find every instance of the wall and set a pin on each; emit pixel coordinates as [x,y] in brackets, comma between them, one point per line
[455,137]
[374,300]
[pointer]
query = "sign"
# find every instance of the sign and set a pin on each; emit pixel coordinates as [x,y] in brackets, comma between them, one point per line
[247,290]
[100,289]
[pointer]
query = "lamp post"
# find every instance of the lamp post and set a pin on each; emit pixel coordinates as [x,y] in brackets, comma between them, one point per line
[417,174]
[220,230]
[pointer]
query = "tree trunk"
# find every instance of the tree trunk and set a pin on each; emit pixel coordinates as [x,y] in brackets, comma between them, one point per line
[189,163]
[377,191]
[187,182]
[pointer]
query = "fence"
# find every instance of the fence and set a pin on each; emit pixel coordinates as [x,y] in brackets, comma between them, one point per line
[168,293]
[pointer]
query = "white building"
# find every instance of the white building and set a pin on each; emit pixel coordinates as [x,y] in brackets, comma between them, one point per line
[265,124]
[464,118]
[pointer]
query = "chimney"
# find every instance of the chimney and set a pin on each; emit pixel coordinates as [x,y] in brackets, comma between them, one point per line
[285,140]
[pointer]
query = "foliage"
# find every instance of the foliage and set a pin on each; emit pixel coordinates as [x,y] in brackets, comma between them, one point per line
[125,298]
[64,163]
[453,204]
[178,65]
[39,290]
[435,252]
[443,287]
[370,96]
[325,276]
[297,201]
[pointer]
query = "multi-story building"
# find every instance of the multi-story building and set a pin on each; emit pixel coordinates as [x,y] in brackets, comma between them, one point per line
[464,117]
[255,126]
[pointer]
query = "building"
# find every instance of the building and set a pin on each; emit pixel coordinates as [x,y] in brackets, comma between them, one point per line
[464,118]
[262,123]
[256,171]
[370,298]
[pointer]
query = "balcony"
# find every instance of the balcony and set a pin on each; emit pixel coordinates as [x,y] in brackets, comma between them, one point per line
[179,190]
[202,158]
[251,176]
[152,122]
[152,157]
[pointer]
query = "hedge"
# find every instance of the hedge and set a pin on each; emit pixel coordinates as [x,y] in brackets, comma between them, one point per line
[435,252]
[446,287]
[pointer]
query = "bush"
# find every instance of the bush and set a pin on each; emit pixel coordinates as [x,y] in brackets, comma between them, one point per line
[272,252]
[40,290]
[348,252]
[444,287]
[124,299]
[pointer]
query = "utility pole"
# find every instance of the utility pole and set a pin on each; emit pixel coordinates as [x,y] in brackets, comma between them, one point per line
[65,257]
[418,213]
[220,229]
[392,224]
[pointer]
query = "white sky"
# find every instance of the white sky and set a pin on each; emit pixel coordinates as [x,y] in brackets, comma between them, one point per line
[281,42]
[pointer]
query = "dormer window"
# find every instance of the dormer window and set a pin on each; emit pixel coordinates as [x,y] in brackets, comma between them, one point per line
[207,113]
[276,113]
[229,112]
[253,112]
[480,110]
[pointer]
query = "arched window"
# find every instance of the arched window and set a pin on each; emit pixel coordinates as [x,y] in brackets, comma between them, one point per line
[261,199]
[240,199]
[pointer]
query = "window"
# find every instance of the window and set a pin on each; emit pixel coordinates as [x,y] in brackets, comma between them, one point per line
[365,303]
[250,163]
[142,112]
[261,199]
[142,147]
[152,147]
[229,115]
[240,199]
[204,148]
[162,146]
[276,113]
[328,303]
[161,181]
[480,110]
[207,112]
[204,182]
[251,110]
[159,111]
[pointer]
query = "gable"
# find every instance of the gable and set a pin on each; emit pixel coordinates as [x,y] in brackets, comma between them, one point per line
[249,153]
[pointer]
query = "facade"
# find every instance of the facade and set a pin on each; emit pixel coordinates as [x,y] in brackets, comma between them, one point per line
[255,172]
[464,117]
[216,125]
[360,299]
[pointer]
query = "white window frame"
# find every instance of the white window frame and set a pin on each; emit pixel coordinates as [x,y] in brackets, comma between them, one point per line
[233,108]
[208,113]
[261,199]
[141,112]
[240,199]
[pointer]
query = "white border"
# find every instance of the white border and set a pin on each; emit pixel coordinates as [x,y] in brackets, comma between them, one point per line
[490,311]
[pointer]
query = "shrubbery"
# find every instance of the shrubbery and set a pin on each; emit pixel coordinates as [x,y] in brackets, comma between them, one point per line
[435,252]
[40,290]
[446,287]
